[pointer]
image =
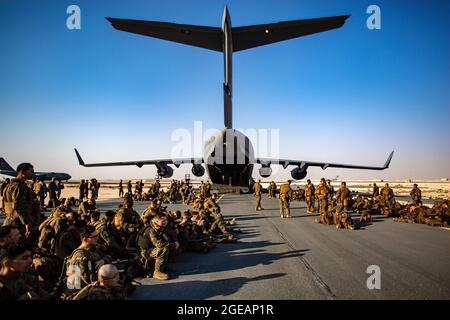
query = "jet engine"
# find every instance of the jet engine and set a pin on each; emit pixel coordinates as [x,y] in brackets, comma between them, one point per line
[198,170]
[298,173]
[265,171]
[164,170]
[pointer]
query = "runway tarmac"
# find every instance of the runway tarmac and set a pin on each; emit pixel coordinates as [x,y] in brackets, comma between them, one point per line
[297,259]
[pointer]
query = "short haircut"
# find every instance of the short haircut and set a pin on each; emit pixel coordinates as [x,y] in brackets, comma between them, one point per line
[160,215]
[110,213]
[24,166]
[15,250]
[6,230]
[87,232]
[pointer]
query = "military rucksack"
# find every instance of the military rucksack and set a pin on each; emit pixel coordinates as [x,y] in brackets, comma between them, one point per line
[142,238]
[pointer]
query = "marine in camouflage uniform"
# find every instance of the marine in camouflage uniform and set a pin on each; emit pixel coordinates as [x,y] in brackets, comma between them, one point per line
[17,281]
[154,244]
[284,200]
[257,193]
[128,222]
[330,191]
[110,236]
[120,188]
[375,190]
[21,207]
[107,287]
[322,193]
[2,188]
[85,260]
[69,239]
[343,196]
[416,195]
[387,195]
[309,196]
[81,191]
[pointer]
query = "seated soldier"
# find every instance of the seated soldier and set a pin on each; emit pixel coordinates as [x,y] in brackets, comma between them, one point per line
[9,235]
[16,282]
[84,262]
[110,236]
[69,239]
[107,287]
[87,206]
[155,246]
[150,211]
[128,222]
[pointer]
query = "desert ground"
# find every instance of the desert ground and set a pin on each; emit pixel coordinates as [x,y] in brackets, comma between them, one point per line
[431,189]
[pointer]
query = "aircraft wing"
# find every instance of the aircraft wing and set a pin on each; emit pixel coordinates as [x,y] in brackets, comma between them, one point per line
[139,163]
[302,164]
[258,35]
[198,36]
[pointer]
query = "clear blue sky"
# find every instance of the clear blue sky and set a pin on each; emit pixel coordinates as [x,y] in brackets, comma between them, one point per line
[349,95]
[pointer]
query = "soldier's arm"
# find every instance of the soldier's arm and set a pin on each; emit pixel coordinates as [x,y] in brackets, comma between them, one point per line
[18,198]
[158,243]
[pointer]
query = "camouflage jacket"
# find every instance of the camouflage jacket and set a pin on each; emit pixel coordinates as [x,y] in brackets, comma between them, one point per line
[95,291]
[23,287]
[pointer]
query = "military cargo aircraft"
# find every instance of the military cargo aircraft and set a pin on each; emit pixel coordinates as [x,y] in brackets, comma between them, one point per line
[7,170]
[228,155]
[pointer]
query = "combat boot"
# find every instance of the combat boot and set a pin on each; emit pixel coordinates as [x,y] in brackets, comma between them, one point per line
[160,275]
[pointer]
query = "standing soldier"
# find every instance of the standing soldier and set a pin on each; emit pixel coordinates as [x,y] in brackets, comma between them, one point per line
[120,189]
[207,189]
[309,196]
[343,196]
[257,193]
[416,195]
[2,188]
[20,207]
[330,192]
[96,188]
[387,195]
[273,189]
[375,191]
[322,193]
[53,189]
[86,188]
[92,189]
[129,187]
[285,197]
[59,187]
[81,191]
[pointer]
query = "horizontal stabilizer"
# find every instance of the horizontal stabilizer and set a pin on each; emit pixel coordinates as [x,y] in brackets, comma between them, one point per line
[260,35]
[198,36]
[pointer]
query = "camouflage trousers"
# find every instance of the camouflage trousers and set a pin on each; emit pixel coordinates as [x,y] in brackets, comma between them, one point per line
[323,204]
[310,204]
[160,257]
[258,202]
[285,210]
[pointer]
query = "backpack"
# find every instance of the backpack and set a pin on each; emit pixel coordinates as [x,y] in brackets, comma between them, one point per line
[142,238]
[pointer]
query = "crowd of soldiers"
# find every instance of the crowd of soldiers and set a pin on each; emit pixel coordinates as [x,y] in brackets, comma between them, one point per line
[84,254]
[337,208]
[88,189]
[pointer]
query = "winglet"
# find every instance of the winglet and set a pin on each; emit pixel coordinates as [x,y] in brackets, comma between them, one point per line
[388,161]
[80,160]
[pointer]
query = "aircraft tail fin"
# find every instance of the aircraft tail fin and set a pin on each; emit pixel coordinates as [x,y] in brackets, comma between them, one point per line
[4,166]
